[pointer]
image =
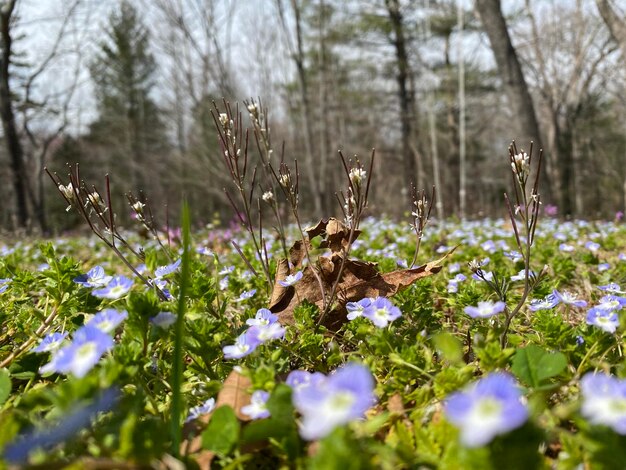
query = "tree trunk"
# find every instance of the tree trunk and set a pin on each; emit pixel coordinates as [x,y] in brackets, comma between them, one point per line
[510,71]
[404,94]
[11,138]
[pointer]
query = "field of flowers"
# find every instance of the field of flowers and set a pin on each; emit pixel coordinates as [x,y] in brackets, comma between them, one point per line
[433,372]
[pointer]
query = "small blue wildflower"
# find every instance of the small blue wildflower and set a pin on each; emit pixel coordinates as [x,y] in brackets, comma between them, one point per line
[612,288]
[592,246]
[565,248]
[4,284]
[197,411]
[226,271]
[513,255]
[332,401]
[604,401]
[543,304]
[568,298]
[580,340]
[606,320]
[402,263]
[485,309]
[454,268]
[489,407]
[50,342]
[298,379]
[520,276]
[245,295]
[118,287]
[381,312]
[257,409]
[88,345]
[245,344]
[291,279]
[43,267]
[356,309]
[267,332]
[163,320]
[603,267]
[95,277]
[108,319]
[263,317]
[163,271]
[486,276]
[223,284]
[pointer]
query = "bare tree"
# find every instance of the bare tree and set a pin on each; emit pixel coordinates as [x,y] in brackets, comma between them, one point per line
[616,25]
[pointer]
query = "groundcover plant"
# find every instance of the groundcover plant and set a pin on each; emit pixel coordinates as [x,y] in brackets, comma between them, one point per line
[351,342]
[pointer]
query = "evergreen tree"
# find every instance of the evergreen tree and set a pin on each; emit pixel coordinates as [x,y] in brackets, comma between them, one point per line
[129,122]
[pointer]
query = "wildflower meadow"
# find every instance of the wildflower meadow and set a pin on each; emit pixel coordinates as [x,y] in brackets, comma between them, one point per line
[345,341]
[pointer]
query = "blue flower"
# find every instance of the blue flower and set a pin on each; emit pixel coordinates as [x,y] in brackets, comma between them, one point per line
[604,319]
[4,285]
[568,298]
[163,320]
[108,319]
[604,401]
[592,246]
[543,304]
[356,309]
[246,295]
[50,342]
[565,248]
[200,410]
[82,354]
[263,317]
[381,312]
[119,286]
[95,277]
[489,407]
[163,271]
[245,344]
[257,409]
[612,288]
[298,379]
[332,401]
[267,332]
[485,309]
[291,279]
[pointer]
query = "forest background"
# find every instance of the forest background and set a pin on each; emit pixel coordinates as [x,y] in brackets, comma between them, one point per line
[439,88]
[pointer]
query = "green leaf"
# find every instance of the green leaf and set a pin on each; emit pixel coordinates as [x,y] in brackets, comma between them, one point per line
[5,385]
[222,433]
[533,364]
[449,347]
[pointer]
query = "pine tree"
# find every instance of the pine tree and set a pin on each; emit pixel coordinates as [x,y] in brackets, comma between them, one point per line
[129,122]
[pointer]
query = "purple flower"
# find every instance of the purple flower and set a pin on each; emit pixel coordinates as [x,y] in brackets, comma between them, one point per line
[603,267]
[257,409]
[356,309]
[95,277]
[263,317]
[485,309]
[513,255]
[108,319]
[550,210]
[119,286]
[200,410]
[163,271]
[612,288]
[592,246]
[267,332]
[298,379]
[50,342]
[82,354]
[606,320]
[163,320]
[543,304]
[335,400]
[381,312]
[489,407]
[246,295]
[245,344]
[604,401]
[568,298]
[291,279]
[4,284]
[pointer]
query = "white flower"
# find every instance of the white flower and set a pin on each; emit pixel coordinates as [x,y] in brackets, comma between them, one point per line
[268,196]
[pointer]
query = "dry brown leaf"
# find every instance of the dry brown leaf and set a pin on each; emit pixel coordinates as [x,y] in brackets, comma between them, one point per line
[395,405]
[359,279]
[297,252]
